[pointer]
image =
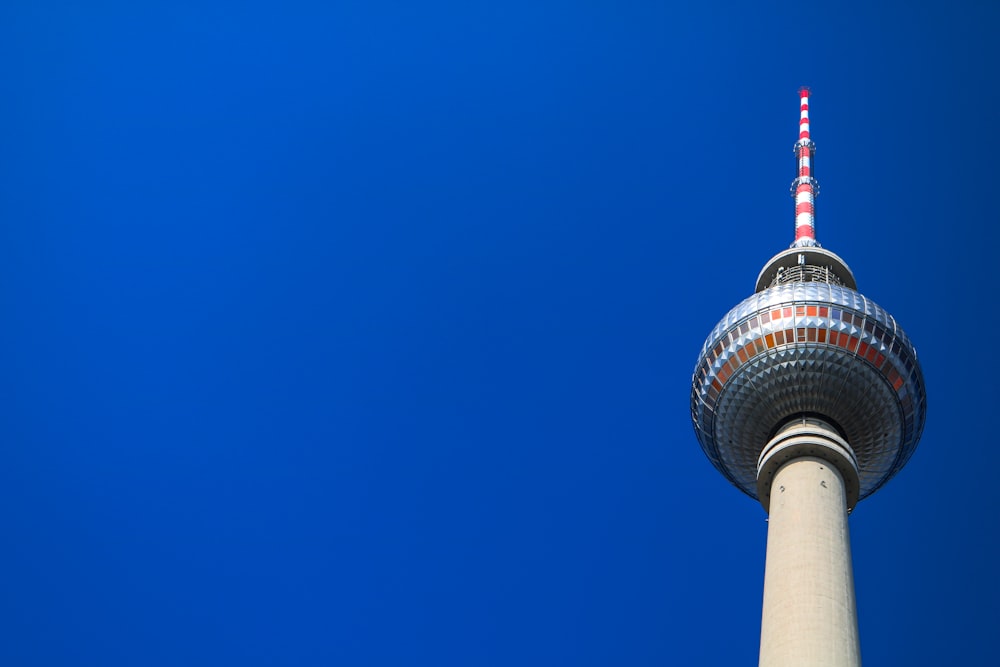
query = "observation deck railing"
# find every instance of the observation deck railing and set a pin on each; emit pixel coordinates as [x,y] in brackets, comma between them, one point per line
[805,273]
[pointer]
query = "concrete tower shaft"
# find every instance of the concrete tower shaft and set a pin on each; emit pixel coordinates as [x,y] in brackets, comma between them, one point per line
[809,613]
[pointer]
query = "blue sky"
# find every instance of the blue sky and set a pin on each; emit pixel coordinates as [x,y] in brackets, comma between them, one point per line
[361,333]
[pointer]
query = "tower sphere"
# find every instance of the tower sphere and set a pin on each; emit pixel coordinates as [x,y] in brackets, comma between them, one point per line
[807,345]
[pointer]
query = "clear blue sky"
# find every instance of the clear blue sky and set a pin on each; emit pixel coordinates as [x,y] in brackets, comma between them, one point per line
[361,333]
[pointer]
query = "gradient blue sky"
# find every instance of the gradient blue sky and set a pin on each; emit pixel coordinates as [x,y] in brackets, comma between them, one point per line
[361,333]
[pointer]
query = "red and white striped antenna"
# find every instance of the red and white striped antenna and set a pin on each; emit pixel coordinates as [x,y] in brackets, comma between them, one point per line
[804,187]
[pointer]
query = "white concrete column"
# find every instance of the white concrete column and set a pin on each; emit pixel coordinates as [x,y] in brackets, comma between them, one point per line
[809,617]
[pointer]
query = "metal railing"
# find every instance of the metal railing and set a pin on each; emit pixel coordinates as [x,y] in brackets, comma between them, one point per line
[805,273]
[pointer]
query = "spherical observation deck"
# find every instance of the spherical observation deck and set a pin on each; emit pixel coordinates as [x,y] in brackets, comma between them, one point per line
[808,345]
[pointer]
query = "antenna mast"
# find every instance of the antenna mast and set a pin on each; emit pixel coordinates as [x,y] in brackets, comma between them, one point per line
[804,187]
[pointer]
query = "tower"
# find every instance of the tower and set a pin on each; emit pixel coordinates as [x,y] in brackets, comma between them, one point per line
[808,397]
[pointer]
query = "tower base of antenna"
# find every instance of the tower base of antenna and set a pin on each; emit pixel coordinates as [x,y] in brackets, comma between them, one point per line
[814,256]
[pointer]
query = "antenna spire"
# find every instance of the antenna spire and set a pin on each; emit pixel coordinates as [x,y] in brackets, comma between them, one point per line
[804,187]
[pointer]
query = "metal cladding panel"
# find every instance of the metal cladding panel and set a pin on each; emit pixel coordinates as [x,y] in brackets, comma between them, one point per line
[808,348]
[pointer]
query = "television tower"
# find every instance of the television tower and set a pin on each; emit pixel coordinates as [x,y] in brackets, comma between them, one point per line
[808,397]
